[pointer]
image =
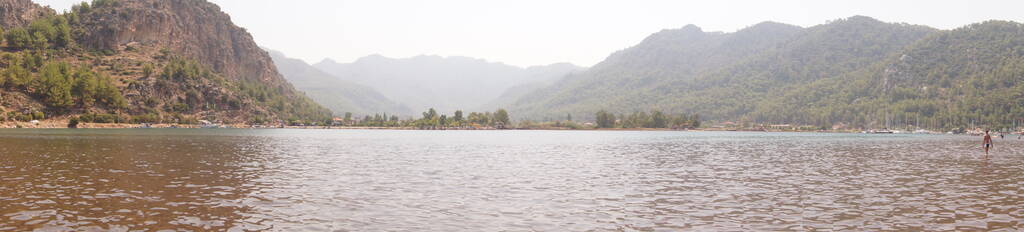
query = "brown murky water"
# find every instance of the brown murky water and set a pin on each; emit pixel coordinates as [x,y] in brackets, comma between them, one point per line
[311,180]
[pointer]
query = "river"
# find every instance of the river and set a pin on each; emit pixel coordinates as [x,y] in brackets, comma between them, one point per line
[379,180]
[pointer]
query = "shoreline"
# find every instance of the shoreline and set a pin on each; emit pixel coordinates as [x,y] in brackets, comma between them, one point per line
[62,124]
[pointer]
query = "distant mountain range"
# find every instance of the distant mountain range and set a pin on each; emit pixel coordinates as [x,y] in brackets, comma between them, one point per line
[444,83]
[339,95]
[855,72]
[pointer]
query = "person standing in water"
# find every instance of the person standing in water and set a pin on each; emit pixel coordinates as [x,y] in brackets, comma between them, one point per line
[987,142]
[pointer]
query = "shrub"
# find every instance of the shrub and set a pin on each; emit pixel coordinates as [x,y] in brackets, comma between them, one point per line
[73,123]
[18,38]
[38,115]
[98,118]
[23,117]
[146,118]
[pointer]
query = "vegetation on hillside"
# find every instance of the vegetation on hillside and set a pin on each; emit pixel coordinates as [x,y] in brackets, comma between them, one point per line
[850,73]
[968,77]
[44,69]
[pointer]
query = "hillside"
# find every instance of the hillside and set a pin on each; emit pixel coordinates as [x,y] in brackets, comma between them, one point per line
[338,95]
[626,80]
[443,83]
[155,61]
[18,13]
[967,77]
[857,72]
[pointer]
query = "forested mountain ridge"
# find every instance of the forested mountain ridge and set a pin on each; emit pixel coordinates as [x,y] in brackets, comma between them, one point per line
[967,77]
[669,55]
[173,61]
[858,72]
[821,52]
[446,84]
[334,93]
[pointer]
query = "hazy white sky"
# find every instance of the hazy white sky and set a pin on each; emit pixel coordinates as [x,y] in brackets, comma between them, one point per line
[536,32]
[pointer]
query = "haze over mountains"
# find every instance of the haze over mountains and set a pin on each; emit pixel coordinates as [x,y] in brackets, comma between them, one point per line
[339,95]
[443,83]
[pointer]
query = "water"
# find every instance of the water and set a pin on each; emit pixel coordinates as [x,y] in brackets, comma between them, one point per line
[320,180]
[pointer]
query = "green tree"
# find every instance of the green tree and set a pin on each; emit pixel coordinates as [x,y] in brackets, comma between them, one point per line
[109,94]
[458,116]
[43,27]
[17,76]
[85,87]
[39,41]
[63,32]
[18,38]
[658,120]
[55,85]
[431,114]
[605,119]
[501,116]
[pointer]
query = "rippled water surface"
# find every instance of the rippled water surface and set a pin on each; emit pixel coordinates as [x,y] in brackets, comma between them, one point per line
[320,180]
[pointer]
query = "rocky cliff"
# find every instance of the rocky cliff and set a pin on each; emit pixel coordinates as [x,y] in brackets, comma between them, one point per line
[193,28]
[169,60]
[18,13]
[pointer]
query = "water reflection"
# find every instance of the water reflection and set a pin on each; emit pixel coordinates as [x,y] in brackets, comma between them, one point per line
[104,181]
[503,180]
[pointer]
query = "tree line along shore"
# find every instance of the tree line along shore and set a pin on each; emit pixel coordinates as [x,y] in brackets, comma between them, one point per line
[430,120]
[501,119]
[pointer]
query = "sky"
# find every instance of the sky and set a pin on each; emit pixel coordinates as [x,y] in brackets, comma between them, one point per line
[539,32]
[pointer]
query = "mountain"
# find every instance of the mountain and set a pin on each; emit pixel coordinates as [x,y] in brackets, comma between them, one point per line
[338,95]
[444,83]
[626,79]
[963,78]
[858,72]
[142,61]
[545,76]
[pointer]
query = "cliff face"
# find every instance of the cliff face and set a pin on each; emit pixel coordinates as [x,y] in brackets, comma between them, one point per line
[192,28]
[169,60]
[18,13]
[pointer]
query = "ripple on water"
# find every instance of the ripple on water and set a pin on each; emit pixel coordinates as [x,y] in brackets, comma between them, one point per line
[518,180]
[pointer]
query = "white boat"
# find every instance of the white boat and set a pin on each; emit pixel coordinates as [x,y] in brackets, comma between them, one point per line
[208,125]
[881,132]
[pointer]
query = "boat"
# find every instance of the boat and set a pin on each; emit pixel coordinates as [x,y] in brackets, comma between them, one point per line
[885,131]
[208,125]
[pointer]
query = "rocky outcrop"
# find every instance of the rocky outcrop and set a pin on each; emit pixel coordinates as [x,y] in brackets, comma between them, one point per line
[18,13]
[195,29]
[172,60]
